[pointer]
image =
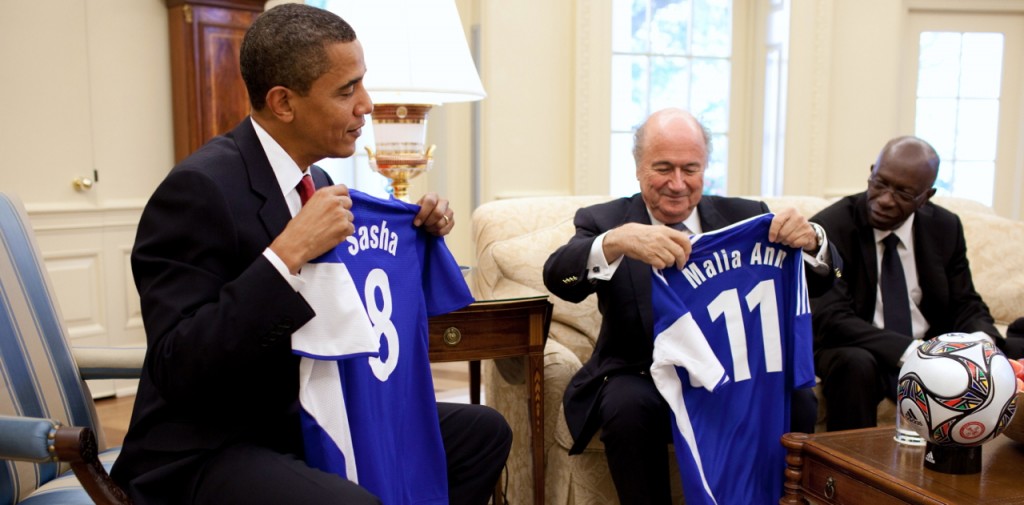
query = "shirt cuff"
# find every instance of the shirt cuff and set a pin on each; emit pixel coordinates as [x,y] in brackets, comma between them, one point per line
[598,268]
[821,262]
[295,281]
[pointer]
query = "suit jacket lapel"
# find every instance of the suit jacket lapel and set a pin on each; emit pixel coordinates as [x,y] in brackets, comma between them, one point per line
[868,248]
[929,265]
[710,218]
[274,213]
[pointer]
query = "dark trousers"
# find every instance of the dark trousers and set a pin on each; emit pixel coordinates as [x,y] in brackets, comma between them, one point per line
[803,411]
[476,438]
[636,432]
[853,382]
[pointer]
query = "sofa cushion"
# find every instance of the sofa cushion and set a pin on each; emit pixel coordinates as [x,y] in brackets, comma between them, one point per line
[993,249]
[521,259]
[805,205]
[503,219]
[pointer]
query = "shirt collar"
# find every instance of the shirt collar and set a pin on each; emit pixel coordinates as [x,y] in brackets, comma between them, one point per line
[692,221]
[904,232]
[287,172]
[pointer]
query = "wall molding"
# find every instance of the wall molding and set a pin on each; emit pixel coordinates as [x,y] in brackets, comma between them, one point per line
[986,6]
[582,157]
[592,98]
[52,218]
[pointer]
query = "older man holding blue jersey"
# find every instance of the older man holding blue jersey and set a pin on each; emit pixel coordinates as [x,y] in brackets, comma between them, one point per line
[615,245]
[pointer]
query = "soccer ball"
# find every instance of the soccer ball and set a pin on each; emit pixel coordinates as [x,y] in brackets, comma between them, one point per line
[957,389]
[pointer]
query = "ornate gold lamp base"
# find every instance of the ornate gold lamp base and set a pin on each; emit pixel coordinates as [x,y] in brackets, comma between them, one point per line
[401,168]
[400,132]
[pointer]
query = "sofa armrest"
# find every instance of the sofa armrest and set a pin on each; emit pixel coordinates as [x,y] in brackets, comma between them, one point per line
[560,365]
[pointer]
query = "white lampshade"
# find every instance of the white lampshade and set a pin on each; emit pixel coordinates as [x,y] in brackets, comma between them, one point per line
[415,50]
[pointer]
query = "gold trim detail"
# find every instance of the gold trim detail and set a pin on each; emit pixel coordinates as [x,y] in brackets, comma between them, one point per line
[452,336]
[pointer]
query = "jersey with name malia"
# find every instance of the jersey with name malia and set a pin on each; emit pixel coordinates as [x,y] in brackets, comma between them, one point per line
[367,396]
[732,341]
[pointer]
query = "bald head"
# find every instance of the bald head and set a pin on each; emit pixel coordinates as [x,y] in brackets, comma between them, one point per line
[668,119]
[913,153]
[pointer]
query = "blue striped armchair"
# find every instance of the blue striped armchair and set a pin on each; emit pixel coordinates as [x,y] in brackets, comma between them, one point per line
[48,423]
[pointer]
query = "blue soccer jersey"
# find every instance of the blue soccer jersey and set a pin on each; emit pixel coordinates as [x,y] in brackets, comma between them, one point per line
[367,396]
[732,341]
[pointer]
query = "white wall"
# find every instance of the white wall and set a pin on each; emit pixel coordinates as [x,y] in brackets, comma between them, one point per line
[86,85]
[528,69]
[845,62]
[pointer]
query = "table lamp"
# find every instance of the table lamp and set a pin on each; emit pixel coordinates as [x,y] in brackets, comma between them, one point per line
[416,58]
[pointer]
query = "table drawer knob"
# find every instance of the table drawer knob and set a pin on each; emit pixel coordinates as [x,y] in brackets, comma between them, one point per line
[830,488]
[452,336]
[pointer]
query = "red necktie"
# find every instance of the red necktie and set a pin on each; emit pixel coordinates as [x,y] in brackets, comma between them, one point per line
[305,188]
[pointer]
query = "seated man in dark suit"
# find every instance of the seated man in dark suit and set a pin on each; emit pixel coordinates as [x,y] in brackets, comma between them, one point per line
[615,245]
[890,232]
[216,258]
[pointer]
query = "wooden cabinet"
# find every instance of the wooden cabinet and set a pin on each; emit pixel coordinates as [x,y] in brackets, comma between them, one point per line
[209,97]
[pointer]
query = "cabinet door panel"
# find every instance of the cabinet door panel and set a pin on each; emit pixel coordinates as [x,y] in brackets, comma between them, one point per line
[208,92]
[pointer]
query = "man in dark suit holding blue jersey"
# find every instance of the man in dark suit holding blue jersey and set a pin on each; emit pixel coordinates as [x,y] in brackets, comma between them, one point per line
[615,246]
[216,419]
[861,336]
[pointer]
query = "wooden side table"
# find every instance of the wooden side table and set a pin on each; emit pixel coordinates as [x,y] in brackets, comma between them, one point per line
[868,467]
[501,329]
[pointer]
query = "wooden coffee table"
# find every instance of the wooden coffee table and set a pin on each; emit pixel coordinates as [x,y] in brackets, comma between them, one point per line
[867,466]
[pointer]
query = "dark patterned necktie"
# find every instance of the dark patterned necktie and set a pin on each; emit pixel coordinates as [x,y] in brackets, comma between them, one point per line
[895,301]
[305,188]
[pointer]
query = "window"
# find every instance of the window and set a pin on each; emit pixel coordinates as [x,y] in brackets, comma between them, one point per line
[959,78]
[669,53]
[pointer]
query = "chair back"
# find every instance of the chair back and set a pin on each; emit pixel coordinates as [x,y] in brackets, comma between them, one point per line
[38,376]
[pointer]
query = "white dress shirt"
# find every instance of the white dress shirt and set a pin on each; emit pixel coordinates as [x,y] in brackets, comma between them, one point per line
[288,175]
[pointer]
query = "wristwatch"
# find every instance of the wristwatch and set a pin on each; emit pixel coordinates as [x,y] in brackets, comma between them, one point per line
[819,232]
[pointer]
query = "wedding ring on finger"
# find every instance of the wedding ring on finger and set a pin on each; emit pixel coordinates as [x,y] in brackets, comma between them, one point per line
[446,220]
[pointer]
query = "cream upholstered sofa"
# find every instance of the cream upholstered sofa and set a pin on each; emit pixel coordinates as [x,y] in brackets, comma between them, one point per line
[513,239]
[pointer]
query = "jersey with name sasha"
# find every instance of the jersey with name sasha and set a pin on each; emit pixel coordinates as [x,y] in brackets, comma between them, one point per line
[368,408]
[732,341]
